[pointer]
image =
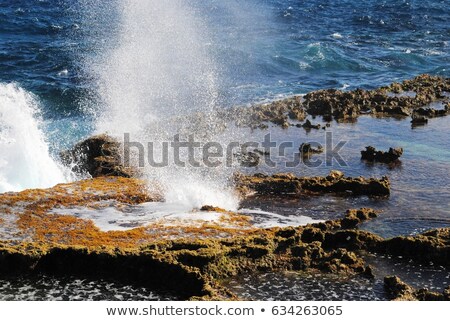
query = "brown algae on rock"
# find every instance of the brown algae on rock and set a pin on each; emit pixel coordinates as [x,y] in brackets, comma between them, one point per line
[191,266]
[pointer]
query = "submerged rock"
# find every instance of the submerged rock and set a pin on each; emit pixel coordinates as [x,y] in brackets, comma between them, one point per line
[306,150]
[248,158]
[373,155]
[417,120]
[308,125]
[97,156]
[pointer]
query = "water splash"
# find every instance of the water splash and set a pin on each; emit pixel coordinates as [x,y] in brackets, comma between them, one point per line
[25,161]
[160,72]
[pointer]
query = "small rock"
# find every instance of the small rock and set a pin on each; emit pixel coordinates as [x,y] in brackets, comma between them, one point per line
[306,149]
[372,155]
[309,125]
[335,175]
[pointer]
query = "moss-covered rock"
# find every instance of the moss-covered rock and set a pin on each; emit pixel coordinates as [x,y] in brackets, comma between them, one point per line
[400,291]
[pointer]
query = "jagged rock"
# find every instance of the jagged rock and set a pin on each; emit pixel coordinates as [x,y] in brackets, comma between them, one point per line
[372,155]
[277,112]
[431,246]
[400,291]
[424,85]
[289,184]
[297,113]
[432,112]
[334,103]
[209,208]
[335,175]
[394,110]
[354,217]
[347,106]
[97,156]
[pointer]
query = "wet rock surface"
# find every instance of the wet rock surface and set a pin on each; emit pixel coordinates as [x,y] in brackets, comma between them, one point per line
[277,112]
[431,246]
[308,125]
[289,184]
[394,100]
[370,154]
[97,156]
[193,267]
[401,291]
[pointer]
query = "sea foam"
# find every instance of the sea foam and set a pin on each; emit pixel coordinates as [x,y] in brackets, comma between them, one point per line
[25,161]
[162,72]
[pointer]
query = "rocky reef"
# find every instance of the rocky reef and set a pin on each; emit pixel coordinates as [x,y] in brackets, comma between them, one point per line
[289,184]
[410,98]
[194,267]
[83,228]
[277,112]
[49,234]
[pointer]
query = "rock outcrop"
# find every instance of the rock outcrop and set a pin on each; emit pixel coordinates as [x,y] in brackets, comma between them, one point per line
[400,291]
[373,155]
[289,184]
[97,156]
[396,100]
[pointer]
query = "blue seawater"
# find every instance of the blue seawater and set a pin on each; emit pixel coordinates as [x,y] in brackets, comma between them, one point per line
[266,48]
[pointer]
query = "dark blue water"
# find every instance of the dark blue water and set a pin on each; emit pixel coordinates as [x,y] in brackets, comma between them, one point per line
[267,47]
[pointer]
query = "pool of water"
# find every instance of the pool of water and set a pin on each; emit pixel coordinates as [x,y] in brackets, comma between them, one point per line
[306,286]
[420,197]
[419,275]
[300,286]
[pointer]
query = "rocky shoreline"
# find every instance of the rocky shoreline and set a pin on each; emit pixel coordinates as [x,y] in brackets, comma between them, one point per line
[192,261]
[412,98]
[44,232]
[194,268]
